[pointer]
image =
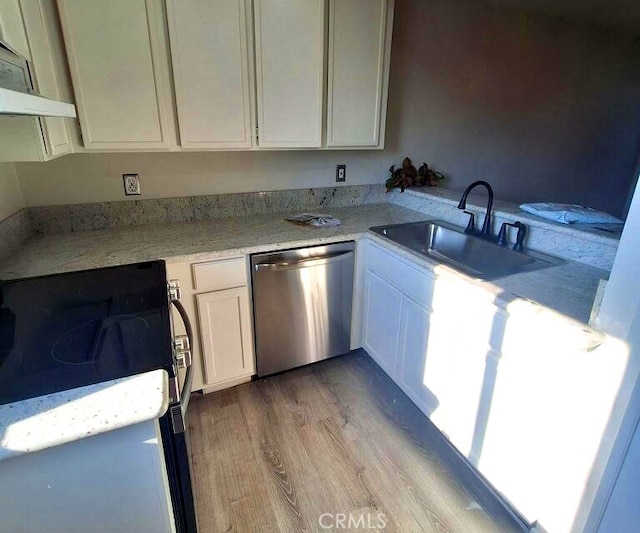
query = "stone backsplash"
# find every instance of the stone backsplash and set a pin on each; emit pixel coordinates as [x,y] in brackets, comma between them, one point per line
[106,215]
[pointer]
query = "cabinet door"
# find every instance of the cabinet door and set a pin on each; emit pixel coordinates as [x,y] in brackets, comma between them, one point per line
[117,58]
[289,72]
[209,51]
[225,327]
[416,347]
[12,31]
[359,48]
[46,73]
[552,415]
[381,321]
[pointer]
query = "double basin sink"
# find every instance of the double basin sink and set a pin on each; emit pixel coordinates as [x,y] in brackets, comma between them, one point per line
[474,256]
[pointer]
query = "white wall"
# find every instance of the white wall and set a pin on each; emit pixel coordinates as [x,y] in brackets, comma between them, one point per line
[10,194]
[543,109]
[622,512]
[620,316]
[98,177]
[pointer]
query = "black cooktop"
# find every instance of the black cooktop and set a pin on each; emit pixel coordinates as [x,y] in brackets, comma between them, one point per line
[69,330]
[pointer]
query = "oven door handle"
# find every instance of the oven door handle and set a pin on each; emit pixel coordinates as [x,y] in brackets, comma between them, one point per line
[178,411]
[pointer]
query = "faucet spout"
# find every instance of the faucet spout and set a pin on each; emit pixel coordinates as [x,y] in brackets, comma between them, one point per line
[486,224]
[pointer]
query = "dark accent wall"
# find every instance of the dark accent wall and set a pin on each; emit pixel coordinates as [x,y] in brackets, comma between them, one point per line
[541,108]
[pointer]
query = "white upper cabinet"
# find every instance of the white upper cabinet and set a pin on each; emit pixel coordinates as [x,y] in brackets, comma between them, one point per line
[358,62]
[34,26]
[12,32]
[47,71]
[210,56]
[289,72]
[118,58]
[247,74]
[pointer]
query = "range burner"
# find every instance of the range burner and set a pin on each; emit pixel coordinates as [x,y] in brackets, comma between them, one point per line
[75,329]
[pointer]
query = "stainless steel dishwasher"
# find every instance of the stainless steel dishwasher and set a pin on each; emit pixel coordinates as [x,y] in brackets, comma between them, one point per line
[302,305]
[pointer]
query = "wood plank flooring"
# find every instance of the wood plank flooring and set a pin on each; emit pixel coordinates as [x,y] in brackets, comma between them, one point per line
[294,452]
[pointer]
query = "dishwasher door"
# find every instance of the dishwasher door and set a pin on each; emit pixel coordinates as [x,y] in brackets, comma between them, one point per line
[302,305]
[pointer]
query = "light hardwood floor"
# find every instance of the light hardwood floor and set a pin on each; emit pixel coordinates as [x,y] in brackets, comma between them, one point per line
[334,437]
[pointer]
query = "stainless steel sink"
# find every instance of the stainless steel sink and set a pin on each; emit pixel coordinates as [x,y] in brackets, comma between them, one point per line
[476,257]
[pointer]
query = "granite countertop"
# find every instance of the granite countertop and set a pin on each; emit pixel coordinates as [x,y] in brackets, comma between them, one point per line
[561,295]
[39,423]
[568,289]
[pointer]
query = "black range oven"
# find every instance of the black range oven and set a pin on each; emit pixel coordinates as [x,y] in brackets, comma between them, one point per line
[64,331]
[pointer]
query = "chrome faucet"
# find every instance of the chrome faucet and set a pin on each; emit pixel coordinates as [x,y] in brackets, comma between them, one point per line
[486,224]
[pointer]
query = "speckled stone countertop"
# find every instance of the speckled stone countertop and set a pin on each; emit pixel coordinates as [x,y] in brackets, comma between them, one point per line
[568,289]
[562,295]
[39,423]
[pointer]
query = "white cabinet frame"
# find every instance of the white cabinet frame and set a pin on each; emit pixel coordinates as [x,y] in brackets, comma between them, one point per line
[219,80]
[343,28]
[268,136]
[156,33]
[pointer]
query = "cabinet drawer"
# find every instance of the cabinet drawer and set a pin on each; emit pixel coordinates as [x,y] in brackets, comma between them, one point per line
[216,275]
[411,281]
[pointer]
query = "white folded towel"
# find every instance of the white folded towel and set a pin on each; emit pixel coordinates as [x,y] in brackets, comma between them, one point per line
[570,214]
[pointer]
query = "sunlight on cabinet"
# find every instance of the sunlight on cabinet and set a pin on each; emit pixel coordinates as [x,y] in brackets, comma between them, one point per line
[553,397]
[419,338]
[469,325]
[524,393]
[382,308]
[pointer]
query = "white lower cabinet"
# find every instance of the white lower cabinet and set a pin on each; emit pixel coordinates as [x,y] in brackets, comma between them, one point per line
[215,295]
[410,328]
[115,481]
[382,308]
[411,369]
[225,330]
[523,393]
[434,337]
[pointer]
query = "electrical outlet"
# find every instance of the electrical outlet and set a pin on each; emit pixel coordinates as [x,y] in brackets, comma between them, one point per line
[131,184]
[341,173]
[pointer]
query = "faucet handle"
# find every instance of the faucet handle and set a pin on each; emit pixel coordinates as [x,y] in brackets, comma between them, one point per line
[502,234]
[522,233]
[471,226]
